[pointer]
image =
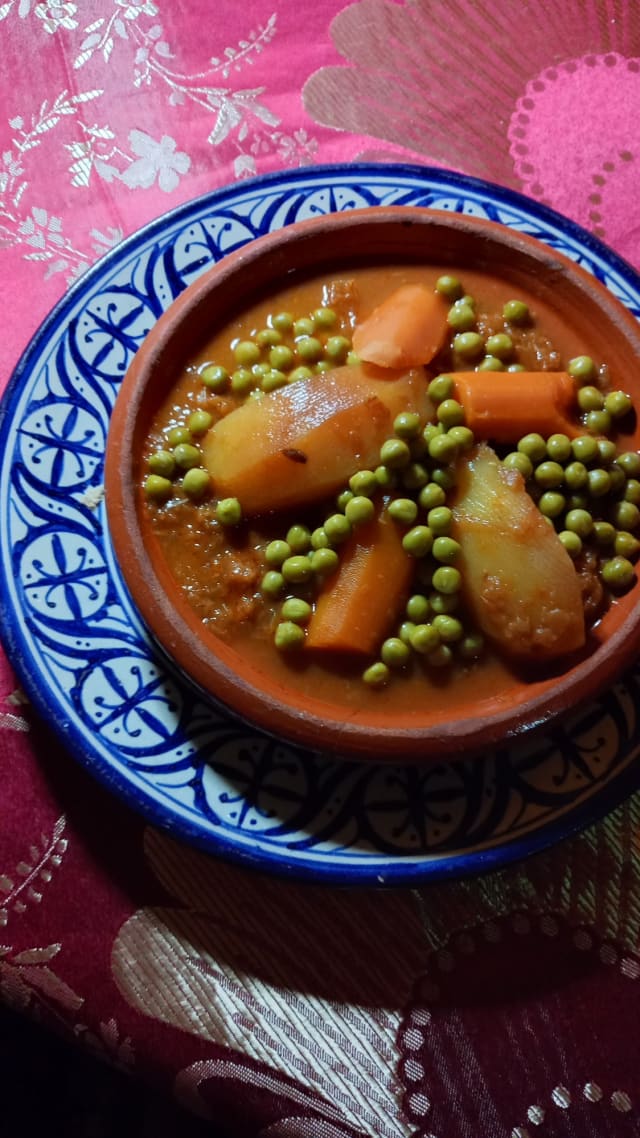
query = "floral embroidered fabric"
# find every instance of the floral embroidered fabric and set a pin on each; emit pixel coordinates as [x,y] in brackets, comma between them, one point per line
[504,1005]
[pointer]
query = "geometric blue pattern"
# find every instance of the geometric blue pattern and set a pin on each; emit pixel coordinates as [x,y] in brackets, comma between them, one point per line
[89,666]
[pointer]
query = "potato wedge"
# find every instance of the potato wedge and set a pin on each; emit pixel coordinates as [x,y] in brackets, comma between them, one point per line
[304,441]
[518,579]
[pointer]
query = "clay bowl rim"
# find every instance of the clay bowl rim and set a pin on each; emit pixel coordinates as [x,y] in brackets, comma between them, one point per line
[176,628]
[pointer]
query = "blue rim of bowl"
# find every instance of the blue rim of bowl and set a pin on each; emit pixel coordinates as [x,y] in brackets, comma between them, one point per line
[400,871]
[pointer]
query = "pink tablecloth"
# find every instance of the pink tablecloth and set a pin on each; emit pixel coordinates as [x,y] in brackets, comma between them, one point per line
[501,1006]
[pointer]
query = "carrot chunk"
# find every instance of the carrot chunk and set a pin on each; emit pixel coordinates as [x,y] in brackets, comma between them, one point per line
[406,330]
[304,441]
[504,406]
[359,603]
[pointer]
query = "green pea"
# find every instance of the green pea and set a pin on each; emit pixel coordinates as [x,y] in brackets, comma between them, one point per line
[500,345]
[178,435]
[418,541]
[450,413]
[297,569]
[629,461]
[272,583]
[534,446]
[394,652]
[297,610]
[442,657]
[617,479]
[288,636]
[417,608]
[359,510]
[162,463]
[449,628]
[273,380]
[461,318]
[385,477]
[281,357]
[324,561]
[517,460]
[468,344]
[403,510]
[576,475]
[196,483]
[441,387]
[364,482]
[551,504]
[321,366]
[299,373]
[445,549]
[259,370]
[298,538]
[276,552]
[632,491]
[214,377]
[199,422]
[463,437]
[549,474]
[337,348]
[324,317]
[516,367]
[490,363]
[449,286]
[395,453]
[229,512]
[590,399]
[246,353]
[343,498]
[431,495]
[309,348]
[618,573]
[440,603]
[432,431]
[604,533]
[516,312]
[407,425]
[268,337]
[578,501]
[626,545]
[442,449]
[376,675]
[415,476]
[618,404]
[157,488]
[598,422]
[186,456]
[471,646]
[337,528]
[424,639]
[444,477]
[582,368]
[571,541]
[283,321]
[319,538]
[607,450]
[599,483]
[559,447]
[305,326]
[625,515]
[406,630]
[447,580]
[242,381]
[585,448]
[439,520]
[580,522]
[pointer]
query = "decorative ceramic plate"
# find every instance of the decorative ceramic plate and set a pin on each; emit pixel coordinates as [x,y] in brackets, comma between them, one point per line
[91,670]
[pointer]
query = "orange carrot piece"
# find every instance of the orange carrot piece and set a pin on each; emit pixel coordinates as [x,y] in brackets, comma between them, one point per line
[406,330]
[304,441]
[358,604]
[504,406]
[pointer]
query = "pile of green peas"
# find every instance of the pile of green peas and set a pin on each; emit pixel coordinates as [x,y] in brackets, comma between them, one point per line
[286,350]
[585,488]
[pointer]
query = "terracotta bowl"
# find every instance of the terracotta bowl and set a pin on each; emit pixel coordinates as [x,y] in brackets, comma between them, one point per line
[334,243]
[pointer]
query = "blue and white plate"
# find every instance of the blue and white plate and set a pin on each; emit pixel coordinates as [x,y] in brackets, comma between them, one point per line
[90,669]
